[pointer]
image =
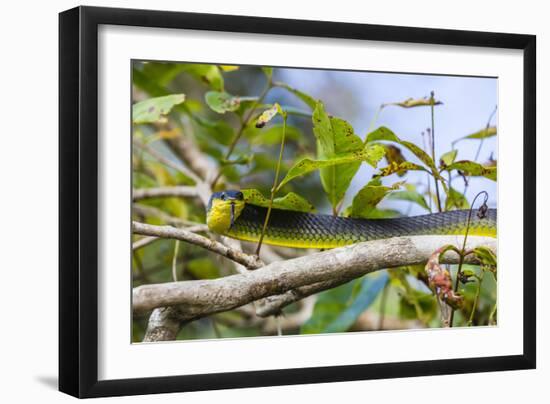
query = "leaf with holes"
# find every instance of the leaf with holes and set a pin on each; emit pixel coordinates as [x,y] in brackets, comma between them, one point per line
[335,137]
[268,115]
[370,154]
[394,155]
[484,133]
[471,168]
[222,102]
[400,169]
[383,133]
[290,201]
[155,109]
[412,103]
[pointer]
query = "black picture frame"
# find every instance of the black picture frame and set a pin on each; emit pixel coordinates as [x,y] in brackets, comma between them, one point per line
[78,196]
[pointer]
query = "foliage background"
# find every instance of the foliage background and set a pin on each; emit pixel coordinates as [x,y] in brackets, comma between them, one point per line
[468,104]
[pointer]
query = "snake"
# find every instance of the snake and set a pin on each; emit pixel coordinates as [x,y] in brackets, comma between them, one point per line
[230,215]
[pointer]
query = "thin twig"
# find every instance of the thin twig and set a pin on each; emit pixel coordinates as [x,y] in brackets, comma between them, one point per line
[175,261]
[244,124]
[374,119]
[463,250]
[274,188]
[426,144]
[182,169]
[180,191]
[145,210]
[432,107]
[142,242]
[480,144]
[249,261]
[476,299]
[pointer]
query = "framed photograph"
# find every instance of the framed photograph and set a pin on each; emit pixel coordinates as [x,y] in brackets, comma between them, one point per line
[250,201]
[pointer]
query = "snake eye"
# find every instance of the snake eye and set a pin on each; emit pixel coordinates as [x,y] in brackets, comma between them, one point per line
[222,196]
[240,196]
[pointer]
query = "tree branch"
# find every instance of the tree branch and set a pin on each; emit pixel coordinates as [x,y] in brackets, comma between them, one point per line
[145,241]
[249,261]
[167,162]
[190,153]
[272,305]
[164,325]
[204,297]
[177,191]
[145,210]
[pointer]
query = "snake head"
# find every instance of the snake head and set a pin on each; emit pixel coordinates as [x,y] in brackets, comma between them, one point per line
[224,209]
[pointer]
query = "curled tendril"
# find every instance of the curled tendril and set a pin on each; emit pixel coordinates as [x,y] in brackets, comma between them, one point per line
[482,210]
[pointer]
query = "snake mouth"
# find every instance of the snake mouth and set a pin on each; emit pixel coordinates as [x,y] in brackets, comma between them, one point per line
[232,217]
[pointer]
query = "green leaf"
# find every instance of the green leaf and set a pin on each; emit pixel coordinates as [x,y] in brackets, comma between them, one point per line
[411,196]
[369,196]
[268,115]
[228,68]
[141,80]
[412,103]
[394,155]
[371,154]
[486,256]
[383,133]
[268,71]
[414,300]
[202,268]
[290,201]
[222,102]
[263,162]
[399,169]
[472,168]
[335,137]
[162,73]
[154,109]
[486,132]
[456,200]
[309,100]
[328,307]
[369,289]
[377,213]
[448,158]
[208,74]
[297,111]
[218,130]
[272,135]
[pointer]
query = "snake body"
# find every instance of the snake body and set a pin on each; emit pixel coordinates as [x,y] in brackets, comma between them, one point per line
[307,230]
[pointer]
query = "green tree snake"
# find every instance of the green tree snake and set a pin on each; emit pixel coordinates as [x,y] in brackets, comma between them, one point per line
[230,215]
